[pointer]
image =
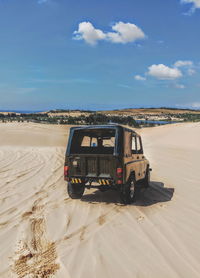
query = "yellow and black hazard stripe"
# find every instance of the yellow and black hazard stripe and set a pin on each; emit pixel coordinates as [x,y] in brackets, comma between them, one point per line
[76,180]
[104,182]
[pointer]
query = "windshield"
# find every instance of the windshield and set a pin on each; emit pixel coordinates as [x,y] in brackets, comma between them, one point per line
[93,141]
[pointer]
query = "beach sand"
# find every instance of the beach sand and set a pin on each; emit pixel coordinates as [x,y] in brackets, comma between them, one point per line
[43,233]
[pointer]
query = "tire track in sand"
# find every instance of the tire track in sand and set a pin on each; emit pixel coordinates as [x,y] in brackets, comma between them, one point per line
[36,256]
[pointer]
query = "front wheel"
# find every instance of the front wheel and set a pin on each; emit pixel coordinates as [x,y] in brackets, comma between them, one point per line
[129,192]
[75,190]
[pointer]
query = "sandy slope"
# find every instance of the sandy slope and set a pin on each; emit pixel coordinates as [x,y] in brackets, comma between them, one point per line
[43,233]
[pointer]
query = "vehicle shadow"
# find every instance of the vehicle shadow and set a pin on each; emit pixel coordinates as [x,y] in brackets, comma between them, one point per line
[156,193]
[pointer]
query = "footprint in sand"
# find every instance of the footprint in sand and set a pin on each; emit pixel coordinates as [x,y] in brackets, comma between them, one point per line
[101,219]
[140,218]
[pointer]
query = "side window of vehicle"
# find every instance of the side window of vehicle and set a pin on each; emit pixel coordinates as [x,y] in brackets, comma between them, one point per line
[139,145]
[133,148]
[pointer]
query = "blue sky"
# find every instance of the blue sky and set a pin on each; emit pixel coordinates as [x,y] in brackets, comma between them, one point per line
[99,54]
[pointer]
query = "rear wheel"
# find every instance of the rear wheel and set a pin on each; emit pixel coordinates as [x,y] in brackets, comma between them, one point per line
[146,181]
[103,188]
[129,192]
[75,190]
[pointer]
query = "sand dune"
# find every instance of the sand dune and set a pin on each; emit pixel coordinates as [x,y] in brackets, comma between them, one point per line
[43,233]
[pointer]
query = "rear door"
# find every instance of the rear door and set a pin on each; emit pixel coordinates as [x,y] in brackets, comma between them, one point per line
[93,153]
[92,166]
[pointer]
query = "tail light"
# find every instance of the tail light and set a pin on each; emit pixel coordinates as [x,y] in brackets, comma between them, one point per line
[119,172]
[66,172]
[119,175]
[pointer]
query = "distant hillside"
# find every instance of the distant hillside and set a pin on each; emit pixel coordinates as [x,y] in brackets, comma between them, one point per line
[125,111]
[133,111]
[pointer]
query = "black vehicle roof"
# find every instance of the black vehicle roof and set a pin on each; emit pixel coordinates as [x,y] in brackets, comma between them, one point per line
[108,126]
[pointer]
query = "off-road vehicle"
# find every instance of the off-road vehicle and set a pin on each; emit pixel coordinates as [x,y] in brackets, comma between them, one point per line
[106,157]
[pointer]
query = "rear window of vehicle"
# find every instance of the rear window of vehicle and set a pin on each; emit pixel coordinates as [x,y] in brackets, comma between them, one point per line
[93,141]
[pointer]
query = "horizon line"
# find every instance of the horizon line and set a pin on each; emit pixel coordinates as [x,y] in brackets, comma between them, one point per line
[95,110]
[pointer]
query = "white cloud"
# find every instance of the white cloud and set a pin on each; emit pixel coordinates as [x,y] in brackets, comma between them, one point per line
[87,32]
[24,90]
[139,77]
[191,105]
[179,86]
[160,41]
[62,81]
[124,86]
[181,63]
[187,65]
[191,72]
[42,1]
[123,33]
[164,72]
[196,3]
[195,105]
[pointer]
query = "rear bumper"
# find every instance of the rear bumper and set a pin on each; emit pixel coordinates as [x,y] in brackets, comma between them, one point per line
[90,180]
[76,180]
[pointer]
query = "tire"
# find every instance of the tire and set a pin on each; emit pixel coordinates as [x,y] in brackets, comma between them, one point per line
[146,181]
[103,189]
[75,191]
[129,192]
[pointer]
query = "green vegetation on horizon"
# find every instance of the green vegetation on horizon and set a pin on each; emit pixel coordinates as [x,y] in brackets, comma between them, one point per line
[92,118]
